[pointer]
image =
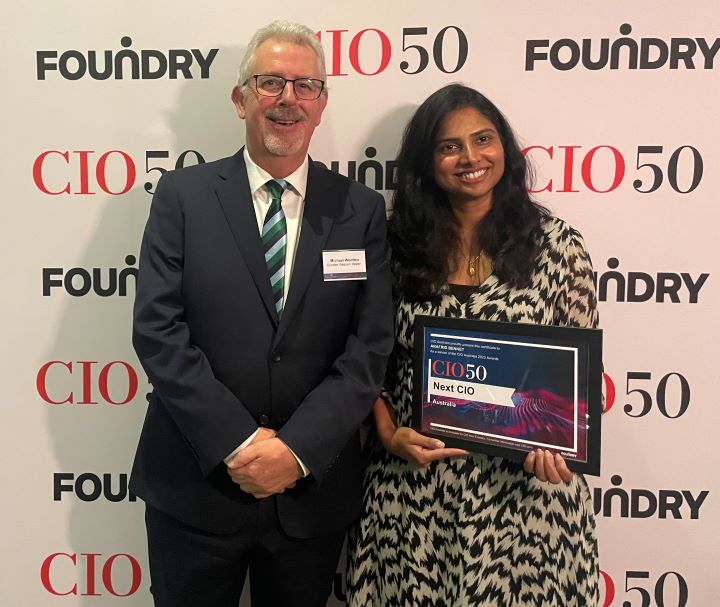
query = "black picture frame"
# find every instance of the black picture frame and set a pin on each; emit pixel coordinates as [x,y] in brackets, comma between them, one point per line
[507,388]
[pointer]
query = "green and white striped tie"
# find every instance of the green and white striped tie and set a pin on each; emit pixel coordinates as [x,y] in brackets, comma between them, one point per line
[274,240]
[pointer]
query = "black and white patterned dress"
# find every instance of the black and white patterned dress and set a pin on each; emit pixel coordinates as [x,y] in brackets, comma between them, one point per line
[479,530]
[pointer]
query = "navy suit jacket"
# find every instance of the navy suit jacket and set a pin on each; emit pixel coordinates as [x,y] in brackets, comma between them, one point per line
[221,362]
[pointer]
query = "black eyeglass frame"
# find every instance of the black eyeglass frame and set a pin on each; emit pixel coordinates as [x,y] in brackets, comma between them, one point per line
[285,82]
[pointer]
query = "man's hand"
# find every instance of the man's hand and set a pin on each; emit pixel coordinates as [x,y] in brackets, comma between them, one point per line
[262,434]
[264,468]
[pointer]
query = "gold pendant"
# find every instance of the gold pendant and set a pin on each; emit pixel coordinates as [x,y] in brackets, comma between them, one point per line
[472,265]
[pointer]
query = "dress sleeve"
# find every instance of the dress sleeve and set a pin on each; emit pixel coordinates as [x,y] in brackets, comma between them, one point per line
[576,304]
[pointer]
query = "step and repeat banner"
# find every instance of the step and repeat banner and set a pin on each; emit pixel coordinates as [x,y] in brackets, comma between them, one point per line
[616,104]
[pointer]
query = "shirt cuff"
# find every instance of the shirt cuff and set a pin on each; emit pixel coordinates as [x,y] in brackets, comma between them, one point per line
[244,444]
[303,467]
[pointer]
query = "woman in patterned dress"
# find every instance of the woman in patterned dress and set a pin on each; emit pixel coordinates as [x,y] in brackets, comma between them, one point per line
[442,527]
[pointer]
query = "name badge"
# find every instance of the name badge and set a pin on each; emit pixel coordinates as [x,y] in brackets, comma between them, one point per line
[344,264]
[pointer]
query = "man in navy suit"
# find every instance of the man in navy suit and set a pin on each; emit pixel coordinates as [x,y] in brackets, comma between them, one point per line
[249,458]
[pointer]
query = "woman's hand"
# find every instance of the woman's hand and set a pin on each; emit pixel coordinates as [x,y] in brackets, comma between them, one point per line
[547,467]
[418,449]
[404,442]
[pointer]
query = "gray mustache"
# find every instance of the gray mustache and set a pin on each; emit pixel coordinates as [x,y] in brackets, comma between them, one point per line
[276,115]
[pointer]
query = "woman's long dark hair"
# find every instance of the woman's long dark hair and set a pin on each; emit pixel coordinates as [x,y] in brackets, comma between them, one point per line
[422,229]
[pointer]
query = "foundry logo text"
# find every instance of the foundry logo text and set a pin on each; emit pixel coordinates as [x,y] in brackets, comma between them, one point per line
[125,63]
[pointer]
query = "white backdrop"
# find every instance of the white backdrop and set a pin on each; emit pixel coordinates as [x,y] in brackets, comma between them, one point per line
[85,144]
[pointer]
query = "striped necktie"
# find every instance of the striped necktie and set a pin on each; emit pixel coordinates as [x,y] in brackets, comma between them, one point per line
[274,240]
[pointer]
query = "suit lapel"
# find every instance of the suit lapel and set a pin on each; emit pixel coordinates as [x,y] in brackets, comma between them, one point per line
[233,191]
[325,200]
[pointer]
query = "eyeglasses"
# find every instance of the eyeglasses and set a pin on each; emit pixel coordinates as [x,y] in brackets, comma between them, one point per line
[273,86]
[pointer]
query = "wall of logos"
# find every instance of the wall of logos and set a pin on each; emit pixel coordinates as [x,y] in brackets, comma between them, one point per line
[617,106]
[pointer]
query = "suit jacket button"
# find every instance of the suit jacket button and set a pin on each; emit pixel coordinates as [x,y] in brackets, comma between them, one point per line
[276,356]
[263,420]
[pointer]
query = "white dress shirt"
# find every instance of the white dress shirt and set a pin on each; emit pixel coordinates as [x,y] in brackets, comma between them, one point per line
[293,203]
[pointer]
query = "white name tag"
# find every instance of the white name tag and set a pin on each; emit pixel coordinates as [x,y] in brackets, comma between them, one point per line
[344,264]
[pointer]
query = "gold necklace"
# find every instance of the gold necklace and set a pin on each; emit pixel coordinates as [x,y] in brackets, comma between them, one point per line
[479,267]
[472,265]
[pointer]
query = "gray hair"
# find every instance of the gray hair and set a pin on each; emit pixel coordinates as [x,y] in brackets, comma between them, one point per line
[286,31]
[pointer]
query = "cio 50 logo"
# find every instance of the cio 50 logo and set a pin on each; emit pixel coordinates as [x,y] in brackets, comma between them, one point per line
[85,172]
[668,589]
[457,370]
[115,172]
[604,168]
[370,51]
[90,574]
[669,395]
[78,383]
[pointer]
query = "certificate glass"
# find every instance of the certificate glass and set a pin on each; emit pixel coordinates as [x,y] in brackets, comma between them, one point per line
[508,388]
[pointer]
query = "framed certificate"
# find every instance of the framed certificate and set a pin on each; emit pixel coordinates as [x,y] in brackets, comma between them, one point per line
[508,388]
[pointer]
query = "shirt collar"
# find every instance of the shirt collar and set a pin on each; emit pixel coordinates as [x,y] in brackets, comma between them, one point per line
[258,177]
